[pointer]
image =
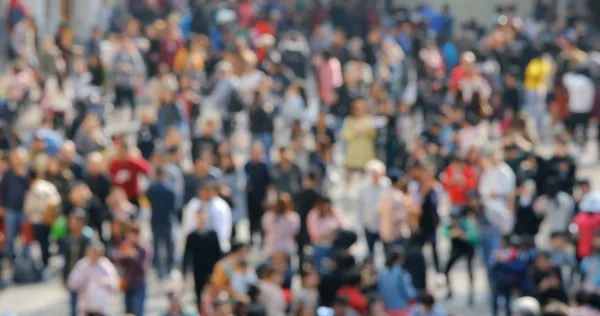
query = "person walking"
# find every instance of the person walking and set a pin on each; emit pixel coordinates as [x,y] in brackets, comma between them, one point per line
[13,189]
[162,202]
[202,252]
[133,258]
[281,225]
[95,280]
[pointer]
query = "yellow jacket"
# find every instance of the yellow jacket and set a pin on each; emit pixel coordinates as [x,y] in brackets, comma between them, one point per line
[537,74]
[183,56]
[360,135]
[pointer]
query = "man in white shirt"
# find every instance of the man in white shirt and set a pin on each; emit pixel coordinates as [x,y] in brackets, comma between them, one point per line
[368,201]
[219,216]
[497,187]
[582,94]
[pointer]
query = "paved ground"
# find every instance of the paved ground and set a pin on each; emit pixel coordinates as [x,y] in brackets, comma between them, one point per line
[50,298]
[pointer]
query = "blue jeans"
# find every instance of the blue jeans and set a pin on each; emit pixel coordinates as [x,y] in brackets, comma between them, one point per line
[134,300]
[371,238]
[490,240]
[320,253]
[73,301]
[14,221]
[535,106]
[161,235]
[266,139]
[496,294]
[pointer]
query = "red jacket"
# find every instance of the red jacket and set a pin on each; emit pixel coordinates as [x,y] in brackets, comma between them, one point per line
[356,299]
[124,174]
[588,224]
[457,74]
[458,192]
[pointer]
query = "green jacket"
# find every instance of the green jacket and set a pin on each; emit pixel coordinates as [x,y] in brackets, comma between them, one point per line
[470,232]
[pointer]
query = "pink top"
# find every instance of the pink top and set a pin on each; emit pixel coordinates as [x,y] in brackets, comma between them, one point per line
[393,215]
[246,14]
[322,230]
[330,78]
[280,231]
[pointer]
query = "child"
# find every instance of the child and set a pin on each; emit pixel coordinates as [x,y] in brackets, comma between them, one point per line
[464,239]
[560,256]
[427,307]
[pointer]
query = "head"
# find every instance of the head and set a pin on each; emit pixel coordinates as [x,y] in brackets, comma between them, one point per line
[19,160]
[257,152]
[324,206]
[309,277]
[375,169]
[207,191]
[94,252]
[238,252]
[359,108]
[559,240]
[95,163]
[560,147]
[427,301]
[77,220]
[394,257]
[284,203]
[543,261]
[133,233]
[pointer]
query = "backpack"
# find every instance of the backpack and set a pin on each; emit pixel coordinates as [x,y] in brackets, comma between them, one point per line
[27,270]
[235,102]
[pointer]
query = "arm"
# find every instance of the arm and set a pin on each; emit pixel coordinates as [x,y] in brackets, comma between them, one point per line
[142,166]
[187,256]
[223,227]
[112,276]
[348,133]
[268,221]
[77,278]
[312,225]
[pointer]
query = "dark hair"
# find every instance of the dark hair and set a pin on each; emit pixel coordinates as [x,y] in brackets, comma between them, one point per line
[394,256]
[237,246]
[352,277]
[427,299]
[558,235]
[159,173]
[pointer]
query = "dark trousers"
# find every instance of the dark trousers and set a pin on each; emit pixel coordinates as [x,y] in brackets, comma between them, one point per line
[162,235]
[124,94]
[42,232]
[255,212]
[461,249]
[371,238]
[200,280]
[575,121]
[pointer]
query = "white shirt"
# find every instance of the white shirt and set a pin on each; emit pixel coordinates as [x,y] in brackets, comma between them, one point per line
[219,219]
[498,180]
[368,200]
[95,285]
[582,92]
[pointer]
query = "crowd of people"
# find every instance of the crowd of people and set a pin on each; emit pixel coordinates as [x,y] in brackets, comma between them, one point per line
[424,130]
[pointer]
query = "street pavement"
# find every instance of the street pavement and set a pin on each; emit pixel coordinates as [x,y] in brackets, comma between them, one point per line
[50,297]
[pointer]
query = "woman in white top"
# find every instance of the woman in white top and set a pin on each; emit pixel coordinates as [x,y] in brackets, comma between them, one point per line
[556,206]
[95,280]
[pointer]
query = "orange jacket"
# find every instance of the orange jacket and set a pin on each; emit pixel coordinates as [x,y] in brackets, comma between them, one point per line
[458,191]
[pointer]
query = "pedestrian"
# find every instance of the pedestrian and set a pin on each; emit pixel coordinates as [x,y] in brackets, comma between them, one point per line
[258,180]
[232,274]
[463,237]
[281,225]
[95,280]
[74,249]
[323,224]
[373,187]
[125,170]
[14,186]
[162,203]
[395,284]
[133,258]
[202,252]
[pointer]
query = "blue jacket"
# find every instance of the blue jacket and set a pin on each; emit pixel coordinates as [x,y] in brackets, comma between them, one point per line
[13,189]
[162,200]
[395,285]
